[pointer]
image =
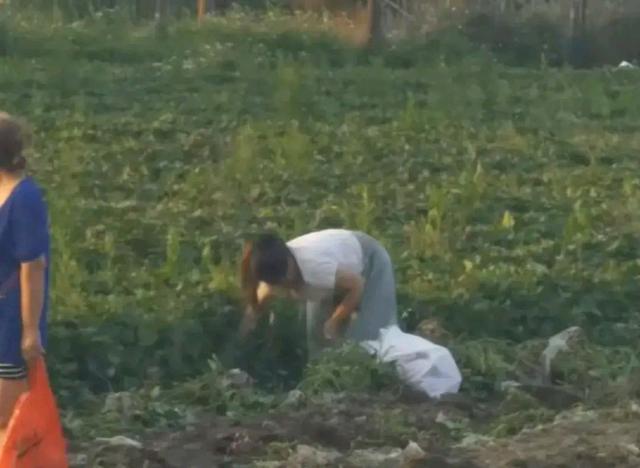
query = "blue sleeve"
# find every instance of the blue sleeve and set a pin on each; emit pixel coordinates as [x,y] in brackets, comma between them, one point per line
[30,225]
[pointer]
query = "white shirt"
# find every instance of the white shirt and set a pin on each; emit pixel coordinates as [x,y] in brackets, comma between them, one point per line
[320,255]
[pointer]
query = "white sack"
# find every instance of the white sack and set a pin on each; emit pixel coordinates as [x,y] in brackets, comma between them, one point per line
[421,364]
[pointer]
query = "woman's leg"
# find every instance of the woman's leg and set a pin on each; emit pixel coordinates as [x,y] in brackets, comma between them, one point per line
[378,308]
[10,391]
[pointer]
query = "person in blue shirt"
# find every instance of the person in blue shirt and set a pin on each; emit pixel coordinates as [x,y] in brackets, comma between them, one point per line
[24,265]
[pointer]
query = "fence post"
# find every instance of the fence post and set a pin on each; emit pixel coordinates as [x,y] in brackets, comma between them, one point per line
[578,17]
[577,38]
[201,10]
[376,34]
[162,17]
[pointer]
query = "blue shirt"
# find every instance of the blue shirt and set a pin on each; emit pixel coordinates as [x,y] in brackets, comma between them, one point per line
[24,237]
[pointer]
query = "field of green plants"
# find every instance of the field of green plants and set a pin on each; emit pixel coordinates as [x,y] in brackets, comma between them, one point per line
[509,199]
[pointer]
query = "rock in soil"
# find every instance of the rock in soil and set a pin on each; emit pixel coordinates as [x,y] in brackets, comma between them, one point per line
[577,438]
[295,399]
[306,456]
[562,342]
[125,456]
[376,458]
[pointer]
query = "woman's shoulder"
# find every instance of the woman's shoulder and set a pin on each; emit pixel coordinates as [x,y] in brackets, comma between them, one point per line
[28,191]
[319,237]
[27,202]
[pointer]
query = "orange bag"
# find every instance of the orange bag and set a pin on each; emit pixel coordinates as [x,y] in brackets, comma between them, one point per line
[34,437]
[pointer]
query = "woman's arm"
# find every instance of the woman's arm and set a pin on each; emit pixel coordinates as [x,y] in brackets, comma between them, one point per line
[353,285]
[256,293]
[32,289]
[30,231]
[247,280]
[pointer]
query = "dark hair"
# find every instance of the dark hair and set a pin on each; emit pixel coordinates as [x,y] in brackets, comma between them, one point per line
[270,259]
[12,144]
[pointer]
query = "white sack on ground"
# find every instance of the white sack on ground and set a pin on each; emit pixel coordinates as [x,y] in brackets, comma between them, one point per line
[421,364]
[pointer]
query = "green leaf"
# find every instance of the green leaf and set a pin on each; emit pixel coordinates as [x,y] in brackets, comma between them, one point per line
[508,222]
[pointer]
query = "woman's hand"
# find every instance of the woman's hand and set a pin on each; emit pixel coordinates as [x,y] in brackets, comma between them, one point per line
[32,286]
[249,322]
[31,345]
[332,328]
[352,284]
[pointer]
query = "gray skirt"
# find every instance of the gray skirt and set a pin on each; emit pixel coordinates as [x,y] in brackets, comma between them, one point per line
[377,310]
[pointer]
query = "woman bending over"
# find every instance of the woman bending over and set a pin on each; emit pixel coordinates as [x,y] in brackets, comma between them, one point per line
[345,277]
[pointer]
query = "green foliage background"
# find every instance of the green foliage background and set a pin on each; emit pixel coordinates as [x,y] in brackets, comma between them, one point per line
[509,198]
